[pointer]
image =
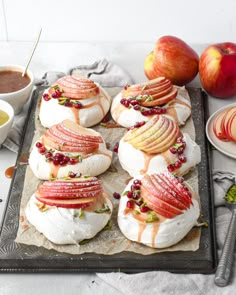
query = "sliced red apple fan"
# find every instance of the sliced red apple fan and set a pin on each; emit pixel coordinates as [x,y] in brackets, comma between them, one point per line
[79,192]
[153,93]
[68,136]
[162,193]
[74,87]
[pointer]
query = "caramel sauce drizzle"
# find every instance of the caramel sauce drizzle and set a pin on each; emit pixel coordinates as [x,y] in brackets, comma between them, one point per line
[96,102]
[147,160]
[9,172]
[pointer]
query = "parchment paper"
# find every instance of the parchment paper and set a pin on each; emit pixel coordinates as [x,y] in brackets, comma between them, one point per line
[108,241]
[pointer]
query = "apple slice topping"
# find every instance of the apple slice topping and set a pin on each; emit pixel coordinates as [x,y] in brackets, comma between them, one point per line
[68,136]
[76,192]
[69,90]
[65,138]
[153,93]
[165,194]
[157,135]
[224,125]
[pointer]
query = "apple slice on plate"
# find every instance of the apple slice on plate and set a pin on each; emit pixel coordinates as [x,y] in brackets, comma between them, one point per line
[221,130]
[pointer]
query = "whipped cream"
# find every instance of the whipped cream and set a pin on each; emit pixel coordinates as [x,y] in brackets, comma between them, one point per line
[128,117]
[170,231]
[137,162]
[63,226]
[93,111]
[93,165]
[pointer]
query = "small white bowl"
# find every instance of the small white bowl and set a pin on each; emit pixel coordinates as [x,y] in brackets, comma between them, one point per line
[18,98]
[5,128]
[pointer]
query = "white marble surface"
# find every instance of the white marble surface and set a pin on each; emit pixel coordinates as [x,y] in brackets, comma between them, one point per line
[60,57]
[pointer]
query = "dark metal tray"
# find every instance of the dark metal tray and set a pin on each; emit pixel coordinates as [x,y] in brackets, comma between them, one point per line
[23,258]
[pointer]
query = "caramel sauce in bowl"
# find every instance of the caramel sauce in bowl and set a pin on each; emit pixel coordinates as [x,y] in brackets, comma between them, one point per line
[14,88]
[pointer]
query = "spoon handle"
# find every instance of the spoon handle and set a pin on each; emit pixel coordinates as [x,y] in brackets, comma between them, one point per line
[32,52]
[226,260]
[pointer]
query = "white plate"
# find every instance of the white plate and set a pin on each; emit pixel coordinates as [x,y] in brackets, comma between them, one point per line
[227,148]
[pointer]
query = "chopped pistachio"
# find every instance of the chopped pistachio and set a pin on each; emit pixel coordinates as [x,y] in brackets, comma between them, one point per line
[79,214]
[105,209]
[151,217]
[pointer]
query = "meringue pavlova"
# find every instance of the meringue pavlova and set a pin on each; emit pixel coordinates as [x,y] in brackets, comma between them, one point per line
[141,102]
[158,210]
[67,211]
[69,147]
[74,98]
[156,146]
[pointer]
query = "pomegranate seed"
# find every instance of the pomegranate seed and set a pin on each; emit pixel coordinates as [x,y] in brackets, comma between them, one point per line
[137,107]
[46,97]
[136,195]
[105,119]
[135,187]
[137,181]
[48,155]
[59,156]
[39,144]
[145,113]
[42,150]
[157,111]
[73,161]
[179,139]
[171,168]
[125,102]
[55,162]
[116,147]
[116,195]
[63,162]
[58,92]
[130,204]
[183,145]
[78,105]
[173,150]
[130,195]
[72,174]
[178,164]
[139,124]
[163,110]
[55,95]
[139,203]
[180,150]
[144,209]
[68,104]
[66,159]
[182,158]
[134,102]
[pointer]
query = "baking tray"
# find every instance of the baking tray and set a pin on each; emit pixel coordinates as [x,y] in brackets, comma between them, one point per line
[24,258]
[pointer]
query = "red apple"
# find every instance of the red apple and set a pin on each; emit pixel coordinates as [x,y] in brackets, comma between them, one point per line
[173,59]
[217,69]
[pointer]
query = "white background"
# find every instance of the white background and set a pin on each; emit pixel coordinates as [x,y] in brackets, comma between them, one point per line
[198,21]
